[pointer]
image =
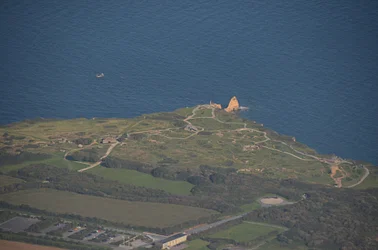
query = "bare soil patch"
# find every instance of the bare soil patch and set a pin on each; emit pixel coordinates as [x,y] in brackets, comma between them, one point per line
[272,200]
[13,245]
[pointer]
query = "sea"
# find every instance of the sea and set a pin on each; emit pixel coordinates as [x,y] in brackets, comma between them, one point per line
[307,69]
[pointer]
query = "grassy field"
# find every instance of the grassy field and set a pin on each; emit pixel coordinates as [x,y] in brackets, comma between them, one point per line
[250,207]
[197,245]
[57,160]
[8,180]
[244,232]
[276,245]
[43,129]
[132,213]
[371,181]
[155,137]
[140,179]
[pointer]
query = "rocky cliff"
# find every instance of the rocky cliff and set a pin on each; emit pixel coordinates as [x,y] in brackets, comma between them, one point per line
[233,105]
[215,105]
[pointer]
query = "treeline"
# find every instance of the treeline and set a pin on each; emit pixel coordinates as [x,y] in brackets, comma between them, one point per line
[330,219]
[97,221]
[85,183]
[49,241]
[40,225]
[8,159]
[223,184]
[87,155]
[216,243]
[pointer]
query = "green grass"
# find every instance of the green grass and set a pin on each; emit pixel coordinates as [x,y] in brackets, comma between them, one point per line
[276,245]
[8,180]
[203,113]
[197,245]
[250,207]
[370,182]
[184,111]
[245,232]
[57,160]
[140,179]
[132,213]
[222,147]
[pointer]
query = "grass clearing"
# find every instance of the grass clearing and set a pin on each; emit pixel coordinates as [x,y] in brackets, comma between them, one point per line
[8,180]
[245,232]
[250,207]
[370,182]
[144,180]
[197,245]
[276,245]
[132,213]
[57,160]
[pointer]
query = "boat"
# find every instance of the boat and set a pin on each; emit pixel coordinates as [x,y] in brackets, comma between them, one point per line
[100,75]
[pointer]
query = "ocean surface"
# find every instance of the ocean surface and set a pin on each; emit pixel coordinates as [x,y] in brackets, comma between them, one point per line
[308,69]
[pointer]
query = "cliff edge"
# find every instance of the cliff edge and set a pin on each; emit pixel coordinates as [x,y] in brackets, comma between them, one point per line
[233,105]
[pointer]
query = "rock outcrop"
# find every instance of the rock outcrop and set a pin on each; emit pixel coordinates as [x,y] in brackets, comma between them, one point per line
[233,105]
[215,105]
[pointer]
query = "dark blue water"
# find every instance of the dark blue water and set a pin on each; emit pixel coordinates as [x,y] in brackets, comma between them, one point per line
[305,68]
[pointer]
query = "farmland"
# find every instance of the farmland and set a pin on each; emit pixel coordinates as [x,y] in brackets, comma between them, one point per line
[12,245]
[140,179]
[132,213]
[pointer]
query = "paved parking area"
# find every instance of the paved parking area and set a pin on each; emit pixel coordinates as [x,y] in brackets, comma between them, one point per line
[18,224]
[68,233]
[93,235]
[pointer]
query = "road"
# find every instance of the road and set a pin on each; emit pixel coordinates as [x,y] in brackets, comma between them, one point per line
[211,225]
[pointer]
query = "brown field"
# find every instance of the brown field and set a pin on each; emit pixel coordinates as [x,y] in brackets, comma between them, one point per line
[272,201]
[13,245]
[129,212]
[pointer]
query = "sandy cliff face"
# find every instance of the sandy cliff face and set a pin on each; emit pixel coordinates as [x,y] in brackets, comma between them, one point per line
[215,105]
[233,105]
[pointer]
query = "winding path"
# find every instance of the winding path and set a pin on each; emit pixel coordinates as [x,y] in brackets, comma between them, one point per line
[244,128]
[99,162]
[367,172]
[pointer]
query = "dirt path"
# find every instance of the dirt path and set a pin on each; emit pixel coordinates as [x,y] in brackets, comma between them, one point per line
[367,172]
[99,162]
[334,170]
[334,164]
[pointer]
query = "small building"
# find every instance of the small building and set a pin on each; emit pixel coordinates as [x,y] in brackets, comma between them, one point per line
[191,128]
[173,240]
[108,140]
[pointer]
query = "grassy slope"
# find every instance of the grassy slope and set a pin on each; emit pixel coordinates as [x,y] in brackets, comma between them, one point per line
[134,213]
[275,245]
[8,180]
[250,207]
[223,147]
[57,160]
[370,182]
[140,179]
[197,245]
[244,232]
